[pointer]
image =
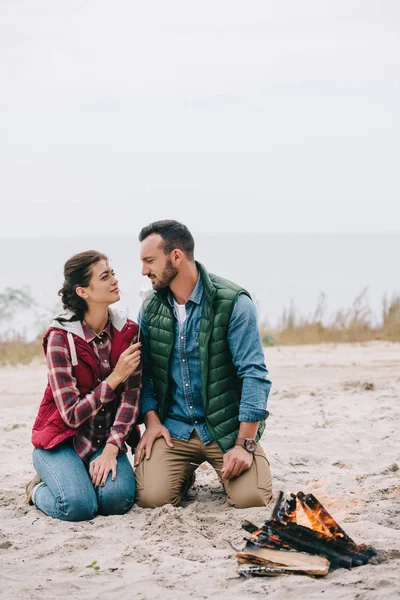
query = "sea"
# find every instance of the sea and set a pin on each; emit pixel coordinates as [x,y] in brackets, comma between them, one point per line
[279,270]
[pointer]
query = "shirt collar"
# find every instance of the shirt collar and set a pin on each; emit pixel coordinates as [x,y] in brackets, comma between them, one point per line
[90,335]
[195,296]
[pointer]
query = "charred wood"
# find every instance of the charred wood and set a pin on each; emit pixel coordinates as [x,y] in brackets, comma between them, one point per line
[307,544]
[285,509]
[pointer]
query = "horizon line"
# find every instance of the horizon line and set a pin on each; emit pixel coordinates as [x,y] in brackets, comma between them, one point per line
[204,233]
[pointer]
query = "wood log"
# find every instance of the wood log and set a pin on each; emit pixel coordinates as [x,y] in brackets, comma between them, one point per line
[285,509]
[274,515]
[308,544]
[360,554]
[250,527]
[260,570]
[260,538]
[298,561]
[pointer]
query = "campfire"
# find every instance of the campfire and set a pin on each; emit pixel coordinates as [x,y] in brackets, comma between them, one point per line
[282,547]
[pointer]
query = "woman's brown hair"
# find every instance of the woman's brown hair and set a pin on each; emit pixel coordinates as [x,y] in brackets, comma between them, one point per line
[77,273]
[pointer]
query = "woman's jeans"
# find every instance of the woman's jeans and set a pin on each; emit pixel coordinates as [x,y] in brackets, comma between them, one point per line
[67,492]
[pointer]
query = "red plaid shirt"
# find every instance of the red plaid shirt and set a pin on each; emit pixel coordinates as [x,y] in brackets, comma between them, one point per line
[97,420]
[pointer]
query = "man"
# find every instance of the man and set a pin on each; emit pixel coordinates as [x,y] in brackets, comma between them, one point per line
[205,385]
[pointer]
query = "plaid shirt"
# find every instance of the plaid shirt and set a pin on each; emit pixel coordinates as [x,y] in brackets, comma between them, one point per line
[95,416]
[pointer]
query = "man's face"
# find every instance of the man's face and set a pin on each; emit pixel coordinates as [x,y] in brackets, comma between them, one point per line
[157,266]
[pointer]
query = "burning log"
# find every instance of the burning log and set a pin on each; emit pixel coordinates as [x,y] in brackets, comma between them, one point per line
[307,541]
[259,538]
[285,509]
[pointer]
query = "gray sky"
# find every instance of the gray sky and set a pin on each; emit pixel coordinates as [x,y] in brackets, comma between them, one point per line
[232,116]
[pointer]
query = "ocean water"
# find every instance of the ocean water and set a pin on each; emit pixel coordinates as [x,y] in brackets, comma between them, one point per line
[275,269]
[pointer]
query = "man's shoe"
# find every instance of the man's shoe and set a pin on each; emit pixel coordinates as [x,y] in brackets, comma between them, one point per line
[29,487]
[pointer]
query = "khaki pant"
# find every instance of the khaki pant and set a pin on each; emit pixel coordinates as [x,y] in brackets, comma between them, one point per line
[159,480]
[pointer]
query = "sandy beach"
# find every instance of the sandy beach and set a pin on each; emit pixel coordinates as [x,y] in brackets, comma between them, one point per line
[333,431]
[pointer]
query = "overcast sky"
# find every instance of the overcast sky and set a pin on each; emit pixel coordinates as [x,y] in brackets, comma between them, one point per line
[232,116]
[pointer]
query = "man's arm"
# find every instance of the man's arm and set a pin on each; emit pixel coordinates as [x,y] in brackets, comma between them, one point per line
[245,344]
[148,403]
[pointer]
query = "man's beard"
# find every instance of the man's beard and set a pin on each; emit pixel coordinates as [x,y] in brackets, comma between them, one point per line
[167,276]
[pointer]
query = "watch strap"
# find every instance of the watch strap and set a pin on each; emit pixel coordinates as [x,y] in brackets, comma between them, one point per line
[240,442]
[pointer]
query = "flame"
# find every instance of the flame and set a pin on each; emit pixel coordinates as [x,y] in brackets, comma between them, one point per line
[320,519]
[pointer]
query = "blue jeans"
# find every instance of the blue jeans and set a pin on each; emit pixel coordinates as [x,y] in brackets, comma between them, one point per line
[67,492]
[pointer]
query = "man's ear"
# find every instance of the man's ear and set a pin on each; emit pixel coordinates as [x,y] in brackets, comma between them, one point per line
[81,292]
[176,255]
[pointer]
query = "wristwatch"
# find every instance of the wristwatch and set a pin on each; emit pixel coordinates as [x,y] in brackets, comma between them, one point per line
[248,444]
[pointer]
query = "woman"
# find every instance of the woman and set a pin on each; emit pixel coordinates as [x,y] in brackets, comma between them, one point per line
[91,402]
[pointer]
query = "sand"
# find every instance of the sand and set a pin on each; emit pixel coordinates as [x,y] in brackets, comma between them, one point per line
[333,431]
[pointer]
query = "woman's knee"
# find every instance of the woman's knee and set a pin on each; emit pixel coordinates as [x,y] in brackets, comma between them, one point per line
[77,507]
[117,497]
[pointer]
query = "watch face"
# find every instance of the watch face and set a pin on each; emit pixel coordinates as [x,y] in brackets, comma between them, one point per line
[250,444]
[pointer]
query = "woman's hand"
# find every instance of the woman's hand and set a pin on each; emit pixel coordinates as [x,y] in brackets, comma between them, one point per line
[101,466]
[127,363]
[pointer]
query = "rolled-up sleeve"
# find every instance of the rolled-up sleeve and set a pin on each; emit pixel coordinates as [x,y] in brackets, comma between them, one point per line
[245,344]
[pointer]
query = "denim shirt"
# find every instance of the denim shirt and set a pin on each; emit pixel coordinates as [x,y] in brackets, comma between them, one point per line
[186,410]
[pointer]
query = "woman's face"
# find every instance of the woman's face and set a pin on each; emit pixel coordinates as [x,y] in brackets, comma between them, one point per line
[103,286]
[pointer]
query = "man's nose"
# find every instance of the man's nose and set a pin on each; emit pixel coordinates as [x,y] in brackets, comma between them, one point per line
[145,270]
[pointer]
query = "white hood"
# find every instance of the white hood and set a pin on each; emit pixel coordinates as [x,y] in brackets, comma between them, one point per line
[117,317]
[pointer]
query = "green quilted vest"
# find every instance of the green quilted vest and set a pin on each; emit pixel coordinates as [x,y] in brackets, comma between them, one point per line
[221,386]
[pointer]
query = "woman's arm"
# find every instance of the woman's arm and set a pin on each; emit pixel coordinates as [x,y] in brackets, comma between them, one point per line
[128,410]
[74,410]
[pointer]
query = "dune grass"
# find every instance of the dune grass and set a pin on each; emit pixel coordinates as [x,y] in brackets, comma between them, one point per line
[14,347]
[17,350]
[355,324]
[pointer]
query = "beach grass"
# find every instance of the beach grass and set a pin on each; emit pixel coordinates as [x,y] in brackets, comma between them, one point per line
[355,324]
[16,350]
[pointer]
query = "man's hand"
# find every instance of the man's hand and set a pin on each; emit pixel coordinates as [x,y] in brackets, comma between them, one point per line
[101,466]
[154,430]
[236,461]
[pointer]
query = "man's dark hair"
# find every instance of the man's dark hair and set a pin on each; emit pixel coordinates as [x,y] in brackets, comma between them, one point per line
[174,235]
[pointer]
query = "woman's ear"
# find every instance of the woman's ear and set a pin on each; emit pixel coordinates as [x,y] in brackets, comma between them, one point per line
[81,292]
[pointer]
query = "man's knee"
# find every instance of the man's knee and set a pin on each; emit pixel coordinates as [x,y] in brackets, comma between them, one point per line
[242,498]
[152,497]
[253,487]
